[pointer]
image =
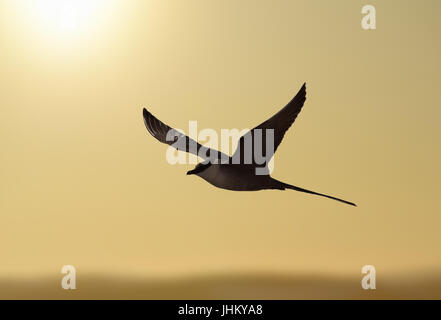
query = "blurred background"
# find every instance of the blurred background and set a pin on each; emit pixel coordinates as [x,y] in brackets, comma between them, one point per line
[84,184]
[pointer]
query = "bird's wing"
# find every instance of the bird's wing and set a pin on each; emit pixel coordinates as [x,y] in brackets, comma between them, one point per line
[176,139]
[280,123]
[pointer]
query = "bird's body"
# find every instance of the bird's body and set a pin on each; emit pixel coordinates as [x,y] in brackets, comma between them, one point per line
[236,173]
[237,178]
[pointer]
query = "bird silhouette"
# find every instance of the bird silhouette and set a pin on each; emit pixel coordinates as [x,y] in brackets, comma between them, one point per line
[238,172]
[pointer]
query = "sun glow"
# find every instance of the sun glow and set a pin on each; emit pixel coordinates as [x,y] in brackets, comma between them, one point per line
[66,16]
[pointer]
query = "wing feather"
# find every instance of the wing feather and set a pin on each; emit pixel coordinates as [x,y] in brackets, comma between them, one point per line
[160,130]
[280,123]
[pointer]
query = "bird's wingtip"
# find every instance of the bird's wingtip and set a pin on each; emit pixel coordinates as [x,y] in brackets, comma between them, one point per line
[303,89]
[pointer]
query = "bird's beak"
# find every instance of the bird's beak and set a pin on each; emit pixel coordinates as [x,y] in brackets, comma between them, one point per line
[189,172]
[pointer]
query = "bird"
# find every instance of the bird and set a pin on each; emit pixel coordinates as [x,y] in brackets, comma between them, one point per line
[234,173]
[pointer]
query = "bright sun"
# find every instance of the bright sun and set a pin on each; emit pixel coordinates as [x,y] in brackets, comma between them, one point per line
[66,16]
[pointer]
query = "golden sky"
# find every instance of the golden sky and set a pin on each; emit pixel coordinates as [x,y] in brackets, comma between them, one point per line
[83,183]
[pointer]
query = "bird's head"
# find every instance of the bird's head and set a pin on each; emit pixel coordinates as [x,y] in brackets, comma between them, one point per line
[199,168]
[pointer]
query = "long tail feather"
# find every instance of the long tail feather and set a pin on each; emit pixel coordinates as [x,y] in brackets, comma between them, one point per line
[288,186]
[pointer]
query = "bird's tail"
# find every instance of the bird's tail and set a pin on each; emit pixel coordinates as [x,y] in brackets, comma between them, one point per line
[288,186]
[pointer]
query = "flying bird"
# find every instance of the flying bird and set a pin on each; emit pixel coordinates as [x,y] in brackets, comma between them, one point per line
[238,175]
